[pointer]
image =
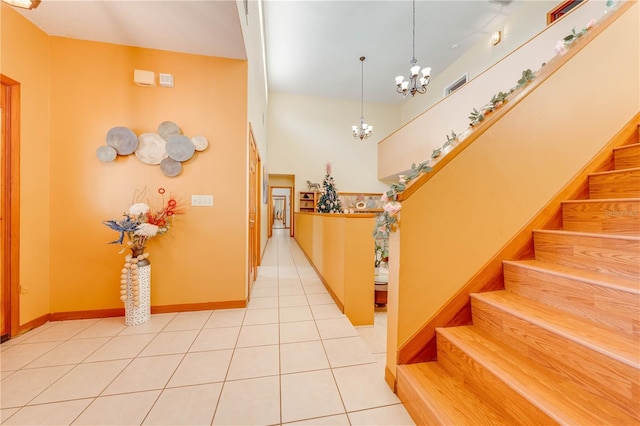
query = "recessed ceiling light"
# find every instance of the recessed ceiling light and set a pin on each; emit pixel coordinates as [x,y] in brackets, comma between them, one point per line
[455,46]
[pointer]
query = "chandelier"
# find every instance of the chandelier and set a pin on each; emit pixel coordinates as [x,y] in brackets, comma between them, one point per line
[414,84]
[364,130]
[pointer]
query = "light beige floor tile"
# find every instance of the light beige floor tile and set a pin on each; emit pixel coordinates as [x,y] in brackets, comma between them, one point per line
[56,413]
[128,409]
[121,347]
[320,299]
[339,420]
[211,339]
[302,356]
[24,385]
[311,280]
[326,311]
[363,386]
[300,331]
[258,335]
[308,395]
[288,282]
[5,413]
[261,394]
[347,351]
[156,324]
[226,318]
[5,374]
[392,415]
[294,290]
[61,330]
[170,342]
[267,271]
[69,352]
[295,313]
[188,321]
[19,355]
[144,374]
[189,405]
[263,291]
[375,337]
[84,381]
[333,328]
[106,327]
[265,282]
[261,316]
[263,303]
[202,367]
[299,300]
[315,289]
[287,272]
[258,361]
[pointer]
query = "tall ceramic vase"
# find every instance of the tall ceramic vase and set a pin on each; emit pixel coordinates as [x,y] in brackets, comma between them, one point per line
[136,315]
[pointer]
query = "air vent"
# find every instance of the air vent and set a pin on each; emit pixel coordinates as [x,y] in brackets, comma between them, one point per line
[502,2]
[456,84]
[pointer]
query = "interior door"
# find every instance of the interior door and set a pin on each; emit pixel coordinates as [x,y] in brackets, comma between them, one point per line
[253,211]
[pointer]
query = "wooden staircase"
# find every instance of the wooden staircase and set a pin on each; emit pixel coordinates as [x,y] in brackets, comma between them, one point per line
[561,343]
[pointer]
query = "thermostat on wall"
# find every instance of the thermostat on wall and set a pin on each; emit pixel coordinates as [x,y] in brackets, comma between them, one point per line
[166,80]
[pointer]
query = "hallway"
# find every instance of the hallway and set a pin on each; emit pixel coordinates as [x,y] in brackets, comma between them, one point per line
[290,357]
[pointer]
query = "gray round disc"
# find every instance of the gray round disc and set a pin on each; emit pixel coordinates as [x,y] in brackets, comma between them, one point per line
[170,167]
[122,139]
[180,147]
[167,129]
[106,153]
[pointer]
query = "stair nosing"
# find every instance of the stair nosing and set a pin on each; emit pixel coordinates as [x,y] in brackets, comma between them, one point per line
[588,280]
[587,234]
[578,339]
[631,145]
[601,200]
[611,172]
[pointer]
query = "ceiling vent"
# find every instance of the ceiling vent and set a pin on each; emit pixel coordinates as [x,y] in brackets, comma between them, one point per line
[502,2]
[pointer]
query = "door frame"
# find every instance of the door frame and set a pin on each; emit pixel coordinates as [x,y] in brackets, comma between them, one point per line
[253,228]
[10,203]
[270,209]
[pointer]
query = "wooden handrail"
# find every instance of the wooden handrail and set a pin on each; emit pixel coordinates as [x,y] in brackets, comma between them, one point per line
[514,99]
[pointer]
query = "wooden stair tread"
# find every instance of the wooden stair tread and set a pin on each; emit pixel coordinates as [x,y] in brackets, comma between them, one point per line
[617,282]
[561,400]
[610,342]
[447,398]
[628,146]
[587,234]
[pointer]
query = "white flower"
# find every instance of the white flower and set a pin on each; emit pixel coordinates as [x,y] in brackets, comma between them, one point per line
[147,230]
[138,208]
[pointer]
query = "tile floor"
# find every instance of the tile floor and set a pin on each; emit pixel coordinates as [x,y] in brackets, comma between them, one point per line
[290,357]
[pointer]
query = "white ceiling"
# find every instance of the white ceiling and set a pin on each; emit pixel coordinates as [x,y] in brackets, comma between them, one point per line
[313,46]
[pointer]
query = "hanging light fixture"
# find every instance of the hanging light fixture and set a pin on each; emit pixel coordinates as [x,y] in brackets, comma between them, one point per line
[364,130]
[414,84]
[24,4]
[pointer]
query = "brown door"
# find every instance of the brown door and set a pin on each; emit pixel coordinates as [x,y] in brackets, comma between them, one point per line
[254,191]
[9,204]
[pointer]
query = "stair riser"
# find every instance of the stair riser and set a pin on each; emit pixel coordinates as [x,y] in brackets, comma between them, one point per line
[626,157]
[488,386]
[609,255]
[416,407]
[609,306]
[619,218]
[625,184]
[600,374]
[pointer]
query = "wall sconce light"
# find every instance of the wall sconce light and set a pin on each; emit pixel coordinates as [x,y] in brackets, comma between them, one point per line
[496,37]
[24,4]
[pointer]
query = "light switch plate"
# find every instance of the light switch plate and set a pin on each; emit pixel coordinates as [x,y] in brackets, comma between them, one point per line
[202,200]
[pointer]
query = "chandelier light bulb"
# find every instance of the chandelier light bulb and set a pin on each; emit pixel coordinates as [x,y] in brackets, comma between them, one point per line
[363,130]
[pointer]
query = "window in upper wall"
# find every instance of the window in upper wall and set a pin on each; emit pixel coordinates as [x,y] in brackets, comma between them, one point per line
[456,84]
[562,9]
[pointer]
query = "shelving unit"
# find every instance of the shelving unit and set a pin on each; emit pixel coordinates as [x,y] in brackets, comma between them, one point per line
[307,201]
[351,200]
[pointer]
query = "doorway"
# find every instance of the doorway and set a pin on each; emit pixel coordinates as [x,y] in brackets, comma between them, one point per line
[281,186]
[254,212]
[9,207]
[278,207]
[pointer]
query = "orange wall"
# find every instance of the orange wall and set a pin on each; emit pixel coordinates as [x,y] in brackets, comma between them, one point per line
[73,92]
[203,258]
[25,58]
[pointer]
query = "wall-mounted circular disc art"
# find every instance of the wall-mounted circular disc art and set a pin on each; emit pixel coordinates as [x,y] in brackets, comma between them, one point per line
[168,148]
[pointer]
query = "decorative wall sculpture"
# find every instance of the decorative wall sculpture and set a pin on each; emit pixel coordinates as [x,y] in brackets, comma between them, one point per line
[167,148]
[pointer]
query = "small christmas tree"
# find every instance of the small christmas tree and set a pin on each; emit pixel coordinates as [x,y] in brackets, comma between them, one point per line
[329,201]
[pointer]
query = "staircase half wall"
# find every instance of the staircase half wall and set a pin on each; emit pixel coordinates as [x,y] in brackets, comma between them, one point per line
[464,213]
